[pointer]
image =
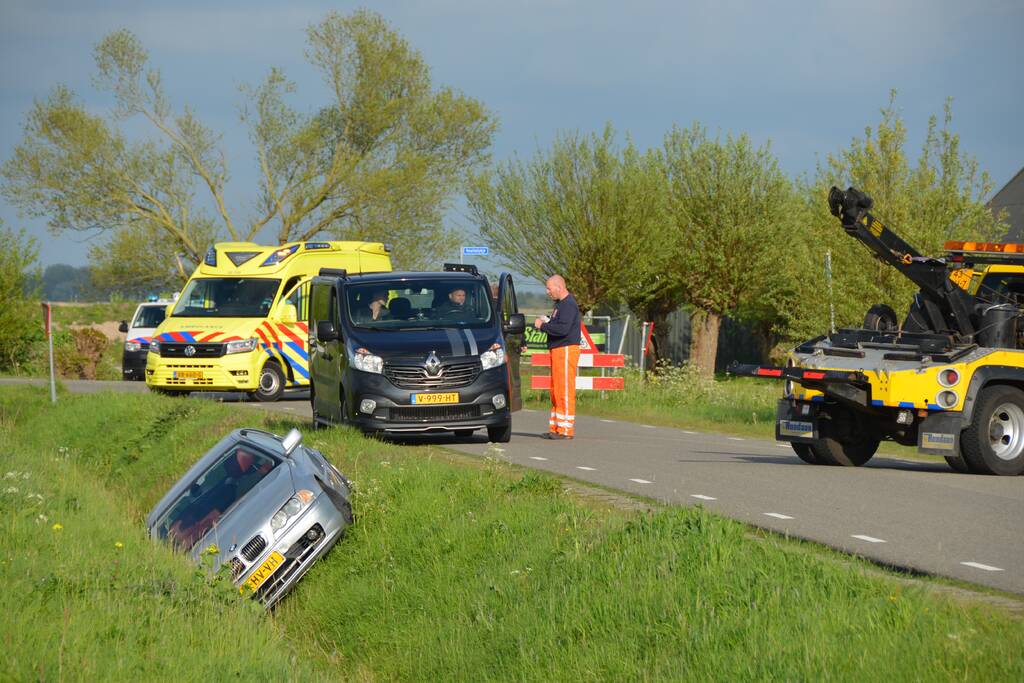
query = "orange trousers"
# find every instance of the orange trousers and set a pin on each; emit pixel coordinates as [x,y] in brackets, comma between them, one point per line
[563,389]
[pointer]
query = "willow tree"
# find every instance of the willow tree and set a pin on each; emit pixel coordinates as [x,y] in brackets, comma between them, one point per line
[381,159]
[729,206]
[587,208]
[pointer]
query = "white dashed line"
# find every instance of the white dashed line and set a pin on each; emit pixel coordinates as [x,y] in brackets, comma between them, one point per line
[608,421]
[537,457]
[640,481]
[690,433]
[585,469]
[648,426]
[781,445]
[869,539]
[529,410]
[735,438]
[701,496]
[776,515]
[985,567]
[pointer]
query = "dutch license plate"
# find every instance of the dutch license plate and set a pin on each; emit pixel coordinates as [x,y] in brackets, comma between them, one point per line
[265,571]
[188,374]
[434,399]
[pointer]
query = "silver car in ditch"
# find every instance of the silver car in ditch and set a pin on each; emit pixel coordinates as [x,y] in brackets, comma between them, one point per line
[269,506]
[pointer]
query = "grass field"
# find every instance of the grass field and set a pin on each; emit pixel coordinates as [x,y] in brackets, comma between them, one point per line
[452,572]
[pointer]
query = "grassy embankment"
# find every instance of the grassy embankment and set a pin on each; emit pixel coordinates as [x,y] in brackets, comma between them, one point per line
[453,571]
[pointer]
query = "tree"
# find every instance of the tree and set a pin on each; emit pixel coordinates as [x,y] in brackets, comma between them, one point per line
[380,161]
[728,204]
[20,316]
[587,209]
[940,198]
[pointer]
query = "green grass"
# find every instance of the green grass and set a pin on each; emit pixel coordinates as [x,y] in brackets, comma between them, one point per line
[452,572]
[91,314]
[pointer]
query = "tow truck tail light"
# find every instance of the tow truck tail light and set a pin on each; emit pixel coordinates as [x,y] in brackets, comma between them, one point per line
[949,377]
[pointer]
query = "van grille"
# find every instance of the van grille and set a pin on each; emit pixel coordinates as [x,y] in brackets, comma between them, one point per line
[177,350]
[253,548]
[433,413]
[450,376]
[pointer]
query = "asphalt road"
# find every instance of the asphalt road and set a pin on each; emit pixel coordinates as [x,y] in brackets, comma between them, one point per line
[915,515]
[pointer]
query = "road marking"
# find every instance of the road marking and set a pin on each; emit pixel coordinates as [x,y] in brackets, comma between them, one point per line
[608,421]
[648,426]
[585,469]
[782,445]
[288,408]
[986,567]
[869,539]
[537,457]
[691,433]
[702,497]
[529,410]
[735,438]
[776,515]
[640,481]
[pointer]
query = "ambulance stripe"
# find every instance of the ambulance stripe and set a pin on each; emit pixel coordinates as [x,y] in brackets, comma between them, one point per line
[177,336]
[294,337]
[304,327]
[208,337]
[299,350]
[296,365]
[270,331]
[266,342]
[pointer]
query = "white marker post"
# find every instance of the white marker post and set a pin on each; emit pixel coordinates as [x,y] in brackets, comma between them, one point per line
[49,339]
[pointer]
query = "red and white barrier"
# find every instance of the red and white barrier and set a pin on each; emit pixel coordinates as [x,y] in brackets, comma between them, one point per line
[587,360]
[584,383]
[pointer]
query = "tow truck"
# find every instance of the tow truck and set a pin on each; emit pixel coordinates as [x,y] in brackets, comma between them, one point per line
[949,380]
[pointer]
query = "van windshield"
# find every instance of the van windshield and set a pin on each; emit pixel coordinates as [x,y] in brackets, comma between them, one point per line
[413,304]
[227,297]
[150,316]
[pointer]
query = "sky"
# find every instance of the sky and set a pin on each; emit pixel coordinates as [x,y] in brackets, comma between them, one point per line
[808,77]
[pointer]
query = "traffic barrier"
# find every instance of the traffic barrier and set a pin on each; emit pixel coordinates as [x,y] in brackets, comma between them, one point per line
[589,358]
[584,383]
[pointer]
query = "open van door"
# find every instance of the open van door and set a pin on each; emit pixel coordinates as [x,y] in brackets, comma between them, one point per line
[513,329]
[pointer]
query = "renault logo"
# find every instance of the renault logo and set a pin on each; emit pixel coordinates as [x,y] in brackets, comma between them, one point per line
[433,364]
[190,350]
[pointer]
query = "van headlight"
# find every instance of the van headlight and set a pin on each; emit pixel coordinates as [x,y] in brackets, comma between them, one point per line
[154,346]
[492,357]
[363,360]
[294,506]
[241,346]
[132,346]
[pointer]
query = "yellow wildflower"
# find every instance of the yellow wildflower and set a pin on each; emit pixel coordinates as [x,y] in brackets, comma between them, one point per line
[57,526]
[119,545]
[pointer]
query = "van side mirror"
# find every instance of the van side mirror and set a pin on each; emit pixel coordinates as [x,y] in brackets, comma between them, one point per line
[123,327]
[325,331]
[288,314]
[516,324]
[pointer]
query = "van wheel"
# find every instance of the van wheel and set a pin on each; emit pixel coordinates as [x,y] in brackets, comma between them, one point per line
[500,434]
[271,384]
[804,452]
[994,441]
[845,440]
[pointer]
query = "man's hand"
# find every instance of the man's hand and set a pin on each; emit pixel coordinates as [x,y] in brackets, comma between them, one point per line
[538,322]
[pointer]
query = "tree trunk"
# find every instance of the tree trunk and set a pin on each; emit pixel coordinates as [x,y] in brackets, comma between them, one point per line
[704,340]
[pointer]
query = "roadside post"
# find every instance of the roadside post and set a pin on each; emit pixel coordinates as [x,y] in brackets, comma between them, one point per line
[473,251]
[49,339]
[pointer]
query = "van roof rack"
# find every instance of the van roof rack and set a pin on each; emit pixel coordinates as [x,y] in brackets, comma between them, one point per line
[334,272]
[461,268]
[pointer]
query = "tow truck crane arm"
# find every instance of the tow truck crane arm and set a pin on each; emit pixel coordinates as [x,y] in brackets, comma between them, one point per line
[947,306]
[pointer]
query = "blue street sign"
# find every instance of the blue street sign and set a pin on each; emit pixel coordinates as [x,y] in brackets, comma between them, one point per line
[475,251]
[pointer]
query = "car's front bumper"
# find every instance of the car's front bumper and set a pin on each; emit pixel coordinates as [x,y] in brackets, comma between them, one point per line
[395,411]
[133,364]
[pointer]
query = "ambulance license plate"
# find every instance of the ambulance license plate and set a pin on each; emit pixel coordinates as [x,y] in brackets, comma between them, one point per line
[188,374]
[435,399]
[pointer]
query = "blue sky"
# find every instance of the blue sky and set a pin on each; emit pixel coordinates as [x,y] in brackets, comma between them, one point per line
[806,76]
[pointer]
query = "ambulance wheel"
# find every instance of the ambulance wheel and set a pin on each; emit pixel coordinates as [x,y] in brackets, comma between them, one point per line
[500,434]
[271,384]
[994,441]
[880,318]
[804,452]
[844,439]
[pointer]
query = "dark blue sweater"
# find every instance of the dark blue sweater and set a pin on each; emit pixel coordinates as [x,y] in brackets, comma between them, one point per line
[564,327]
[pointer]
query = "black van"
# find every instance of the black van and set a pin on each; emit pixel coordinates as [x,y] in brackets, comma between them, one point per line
[415,352]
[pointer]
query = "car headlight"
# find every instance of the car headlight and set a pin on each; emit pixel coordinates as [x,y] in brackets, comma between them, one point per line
[294,506]
[363,360]
[492,357]
[132,346]
[241,346]
[154,347]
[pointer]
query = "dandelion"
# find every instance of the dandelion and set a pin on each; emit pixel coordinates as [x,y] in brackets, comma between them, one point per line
[212,549]
[57,526]
[119,545]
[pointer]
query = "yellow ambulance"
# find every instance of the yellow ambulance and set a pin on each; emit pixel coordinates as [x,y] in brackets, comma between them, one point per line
[240,322]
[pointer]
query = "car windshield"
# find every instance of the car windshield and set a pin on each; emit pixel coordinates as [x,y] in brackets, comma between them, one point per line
[213,493]
[227,297]
[150,316]
[420,304]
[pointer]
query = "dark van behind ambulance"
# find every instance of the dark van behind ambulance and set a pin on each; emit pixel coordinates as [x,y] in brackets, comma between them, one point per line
[415,352]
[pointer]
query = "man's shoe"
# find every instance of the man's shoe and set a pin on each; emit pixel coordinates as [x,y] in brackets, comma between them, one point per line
[554,436]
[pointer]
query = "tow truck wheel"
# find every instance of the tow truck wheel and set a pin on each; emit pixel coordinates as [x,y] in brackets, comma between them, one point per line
[958,463]
[994,441]
[844,439]
[804,452]
[271,384]
[881,318]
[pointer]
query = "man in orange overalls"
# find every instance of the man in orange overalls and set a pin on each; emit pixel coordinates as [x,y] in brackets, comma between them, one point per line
[563,330]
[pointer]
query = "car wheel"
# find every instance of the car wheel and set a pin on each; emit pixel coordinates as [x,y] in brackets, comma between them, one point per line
[994,441]
[844,439]
[500,434]
[271,384]
[804,452]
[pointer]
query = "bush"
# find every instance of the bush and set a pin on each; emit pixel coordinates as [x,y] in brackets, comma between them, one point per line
[77,352]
